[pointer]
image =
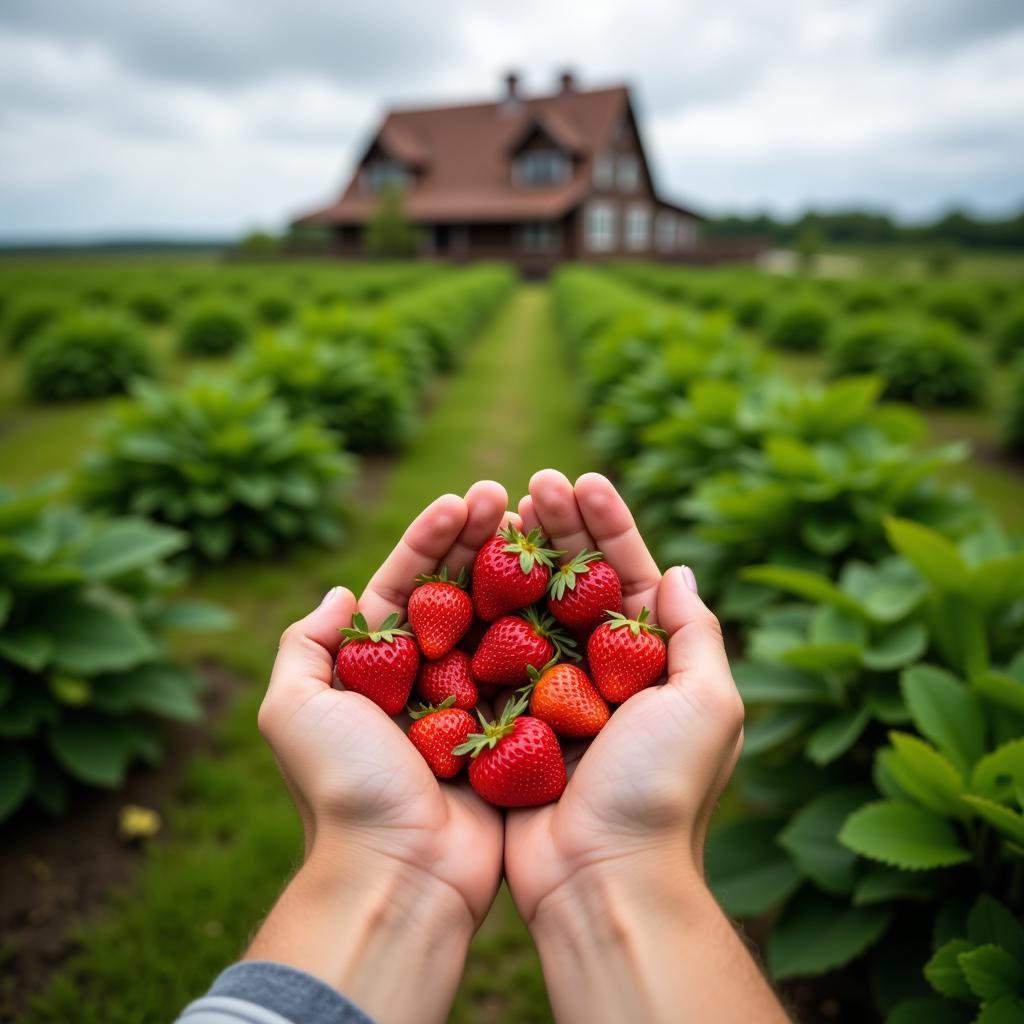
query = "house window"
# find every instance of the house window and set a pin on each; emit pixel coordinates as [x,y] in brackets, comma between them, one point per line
[381,174]
[628,173]
[541,167]
[600,227]
[665,231]
[538,237]
[604,171]
[638,228]
[687,233]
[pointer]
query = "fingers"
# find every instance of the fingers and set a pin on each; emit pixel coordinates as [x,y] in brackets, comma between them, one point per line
[697,660]
[308,647]
[555,507]
[609,522]
[485,501]
[527,514]
[427,540]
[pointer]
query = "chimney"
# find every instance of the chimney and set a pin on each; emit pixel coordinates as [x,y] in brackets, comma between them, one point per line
[511,87]
[567,83]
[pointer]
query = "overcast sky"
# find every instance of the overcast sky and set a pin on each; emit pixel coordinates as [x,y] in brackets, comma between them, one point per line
[196,117]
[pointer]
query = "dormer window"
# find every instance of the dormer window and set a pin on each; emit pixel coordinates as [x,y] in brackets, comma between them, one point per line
[382,173]
[627,173]
[541,167]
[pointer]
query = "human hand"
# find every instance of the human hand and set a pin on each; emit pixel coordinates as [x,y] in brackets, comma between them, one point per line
[385,841]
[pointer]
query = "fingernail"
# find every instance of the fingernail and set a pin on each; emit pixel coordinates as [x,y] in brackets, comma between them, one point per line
[688,576]
[329,596]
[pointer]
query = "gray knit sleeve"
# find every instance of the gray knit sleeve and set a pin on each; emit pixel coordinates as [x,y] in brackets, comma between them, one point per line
[261,992]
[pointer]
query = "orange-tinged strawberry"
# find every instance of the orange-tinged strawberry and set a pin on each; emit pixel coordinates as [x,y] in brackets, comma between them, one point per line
[514,643]
[510,572]
[379,663]
[583,591]
[448,676]
[437,731]
[440,612]
[564,696]
[626,656]
[516,761]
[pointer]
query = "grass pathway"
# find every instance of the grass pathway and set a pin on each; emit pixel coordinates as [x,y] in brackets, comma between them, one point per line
[232,833]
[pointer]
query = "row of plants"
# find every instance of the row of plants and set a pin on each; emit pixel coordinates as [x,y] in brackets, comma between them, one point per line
[248,461]
[881,622]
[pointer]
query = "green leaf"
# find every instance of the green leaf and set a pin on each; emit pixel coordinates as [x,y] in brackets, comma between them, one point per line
[1000,688]
[194,616]
[94,638]
[836,735]
[923,773]
[934,557]
[884,884]
[989,922]
[902,835]
[28,647]
[958,631]
[896,647]
[927,1010]
[93,748]
[818,933]
[812,839]
[773,728]
[15,778]
[808,585]
[944,972]
[6,603]
[991,972]
[1009,823]
[946,712]
[998,774]
[1006,1010]
[125,545]
[997,583]
[822,657]
[770,683]
[748,873]
[163,690]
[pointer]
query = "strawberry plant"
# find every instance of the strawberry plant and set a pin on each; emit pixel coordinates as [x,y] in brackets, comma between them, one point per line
[86,354]
[1009,339]
[800,324]
[212,328]
[28,315]
[222,461]
[85,674]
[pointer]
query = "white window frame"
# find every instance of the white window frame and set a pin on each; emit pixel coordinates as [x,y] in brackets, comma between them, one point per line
[604,171]
[600,226]
[381,173]
[637,227]
[627,172]
[557,166]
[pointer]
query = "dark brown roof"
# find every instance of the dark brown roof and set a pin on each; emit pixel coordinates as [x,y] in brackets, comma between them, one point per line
[462,154]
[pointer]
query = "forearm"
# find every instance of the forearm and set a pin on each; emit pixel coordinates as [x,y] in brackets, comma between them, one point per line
[646,942]
[389,937]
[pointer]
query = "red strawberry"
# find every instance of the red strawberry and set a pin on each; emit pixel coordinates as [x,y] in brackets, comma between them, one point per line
[440,612]
[583,591]
[437,731]
[446,677]
[626,655]
[380,664]
[516,761]
[510,572]
[515,642]
[564,697]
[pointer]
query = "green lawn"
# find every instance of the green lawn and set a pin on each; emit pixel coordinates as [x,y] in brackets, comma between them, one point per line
[231,835]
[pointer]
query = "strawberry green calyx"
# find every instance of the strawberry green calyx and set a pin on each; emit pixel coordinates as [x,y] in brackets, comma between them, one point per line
[478,742]
[636,626]
[544,625]
[460,581]
[565,577]
[534,675]
[530,547]
[386,632]
[428,709]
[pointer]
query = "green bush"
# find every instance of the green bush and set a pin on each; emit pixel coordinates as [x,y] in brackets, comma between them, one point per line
[150,306]
[867,296]
[858,345]
[86,355]
[213,328]
[1010,334]
[85,677]
[28,316]
[800,324]
[749,306]
[274,308]
[222,461]
[961,305]
[1014,413]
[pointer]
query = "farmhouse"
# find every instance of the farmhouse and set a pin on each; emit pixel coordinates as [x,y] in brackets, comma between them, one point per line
[532,180]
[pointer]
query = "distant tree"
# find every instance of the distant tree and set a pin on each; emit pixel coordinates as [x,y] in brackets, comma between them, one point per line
[808,242]
[259,241]
[389,232]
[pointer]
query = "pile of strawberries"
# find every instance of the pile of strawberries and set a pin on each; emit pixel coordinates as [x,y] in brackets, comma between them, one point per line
[521,628]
